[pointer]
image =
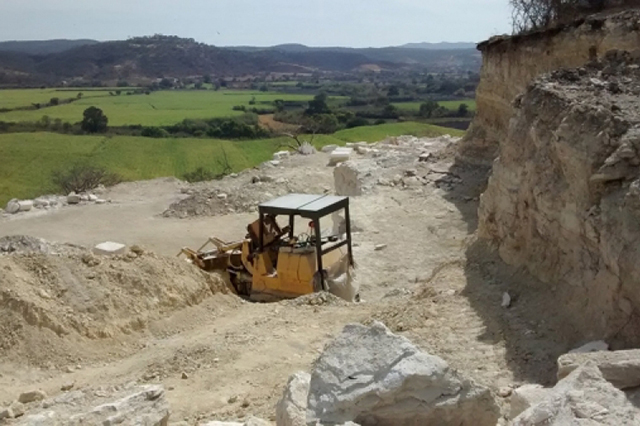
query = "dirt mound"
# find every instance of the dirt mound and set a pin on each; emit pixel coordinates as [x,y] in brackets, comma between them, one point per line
[79,294]
[242,193]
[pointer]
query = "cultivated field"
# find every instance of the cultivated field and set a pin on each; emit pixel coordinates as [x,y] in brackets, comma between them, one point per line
[29,159]
[16,98]
[451,105]
[161,108]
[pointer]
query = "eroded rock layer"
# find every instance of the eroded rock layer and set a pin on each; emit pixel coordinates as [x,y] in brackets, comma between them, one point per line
[564,197]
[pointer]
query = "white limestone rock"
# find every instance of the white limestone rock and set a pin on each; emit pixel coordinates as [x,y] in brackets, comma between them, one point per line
[109,248]
[292,407]
[621,368]
[582,398]
[372,377]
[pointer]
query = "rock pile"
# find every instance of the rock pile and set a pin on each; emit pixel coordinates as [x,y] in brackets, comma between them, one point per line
[583,397]
[128,406]
[47,202]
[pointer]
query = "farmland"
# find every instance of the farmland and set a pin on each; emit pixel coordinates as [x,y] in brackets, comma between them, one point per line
[451,105]
[29,159]
[16,98]
[160,108]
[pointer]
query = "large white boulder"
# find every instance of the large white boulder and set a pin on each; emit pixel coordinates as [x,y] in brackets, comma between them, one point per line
[348,179]
[292,407]
[251,421]
[582,398]
[109,248]
[621,368]
[372,377]
[281,155]
[25,205]
[73,198]
[13,206]
[329,148]
[340,155]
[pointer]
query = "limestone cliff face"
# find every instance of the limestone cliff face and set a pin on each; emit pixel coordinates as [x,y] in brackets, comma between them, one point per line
[511,63]
[564,196]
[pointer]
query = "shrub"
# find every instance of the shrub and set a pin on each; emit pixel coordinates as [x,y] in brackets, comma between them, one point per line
[357,122]
[94,120]
[154,132]
[83,177]
[54,101]
[199,175]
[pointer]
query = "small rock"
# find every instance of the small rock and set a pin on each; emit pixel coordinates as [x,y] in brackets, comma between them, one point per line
[67,387]
[255,179]
[137,249]
[31,396]
[73,198]
[274,163]
[69,369]
[506,300]
[12,206]
[6,413]
[245,403]
[100,201]
[18,409]
[92,197]
[380,247]
[233,175]
[281,181]
[109,248]
[424,157]
[84,197]
[222,196]
[329,148]
[233,399]
[411,181]
[505,392]
[185,376]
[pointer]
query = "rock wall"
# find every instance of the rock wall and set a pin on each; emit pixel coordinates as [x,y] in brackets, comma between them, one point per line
[511,63]
[564,196]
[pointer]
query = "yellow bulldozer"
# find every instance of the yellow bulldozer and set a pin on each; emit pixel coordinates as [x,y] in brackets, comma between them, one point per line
[273,262]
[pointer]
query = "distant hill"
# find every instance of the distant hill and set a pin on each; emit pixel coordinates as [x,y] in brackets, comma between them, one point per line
[439,46]
[42,47]
[170,56]
[438,56]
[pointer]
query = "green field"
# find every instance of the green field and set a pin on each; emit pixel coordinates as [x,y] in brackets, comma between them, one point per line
[29,159]
[451,105]
[15,98]
[161,108]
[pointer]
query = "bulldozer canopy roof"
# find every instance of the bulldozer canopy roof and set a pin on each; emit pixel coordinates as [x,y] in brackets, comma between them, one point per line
[305,205]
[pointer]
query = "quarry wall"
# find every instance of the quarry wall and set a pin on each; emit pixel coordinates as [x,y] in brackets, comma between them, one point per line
[563,199]
[511,63]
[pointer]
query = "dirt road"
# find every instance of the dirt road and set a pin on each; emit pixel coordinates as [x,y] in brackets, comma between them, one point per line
[431,282]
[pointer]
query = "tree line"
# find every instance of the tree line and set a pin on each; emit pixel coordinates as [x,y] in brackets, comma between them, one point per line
[530,15]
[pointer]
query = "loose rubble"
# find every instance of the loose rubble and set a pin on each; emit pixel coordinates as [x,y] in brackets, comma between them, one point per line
[130,406]
[621,368]
[583,397]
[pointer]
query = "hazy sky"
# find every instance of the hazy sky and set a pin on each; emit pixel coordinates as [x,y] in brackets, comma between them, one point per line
[356,23]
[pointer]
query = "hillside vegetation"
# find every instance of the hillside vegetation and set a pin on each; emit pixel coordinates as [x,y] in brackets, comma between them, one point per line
[29,159]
